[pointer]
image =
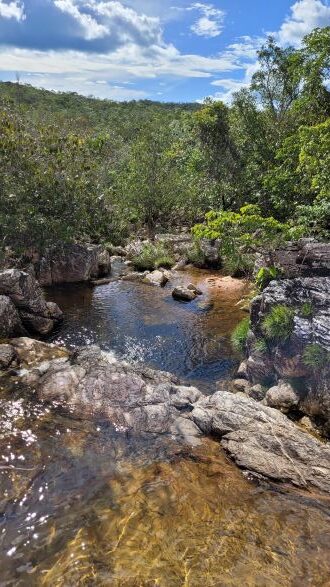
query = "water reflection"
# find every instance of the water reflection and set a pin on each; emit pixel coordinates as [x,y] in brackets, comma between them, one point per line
[144,324]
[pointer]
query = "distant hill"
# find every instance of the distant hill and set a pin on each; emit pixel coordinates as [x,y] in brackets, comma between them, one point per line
[125,117]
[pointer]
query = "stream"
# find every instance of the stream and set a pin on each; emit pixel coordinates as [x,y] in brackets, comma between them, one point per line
[81,504]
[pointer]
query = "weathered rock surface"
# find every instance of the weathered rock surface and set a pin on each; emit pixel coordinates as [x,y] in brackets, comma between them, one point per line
[183,293]
[158,278]
[283,397]
[263,440]
[70,263]
[94,384]
[10,322]
[7,355]
[284,360]
[211,252]
[32,310]
[304,258]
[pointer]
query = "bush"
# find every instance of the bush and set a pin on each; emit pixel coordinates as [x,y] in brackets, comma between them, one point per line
[239,335]
[265,275]
[315,357]
[278,325]
[306,310]
[152,257]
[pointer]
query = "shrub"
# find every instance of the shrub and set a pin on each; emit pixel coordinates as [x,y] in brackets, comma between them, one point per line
[306,310]
[151,257]
[315,357]
[265,275]
[261,346]
[279,323]
[239,335]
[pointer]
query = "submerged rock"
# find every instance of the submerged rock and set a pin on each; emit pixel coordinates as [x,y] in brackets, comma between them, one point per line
[263,440]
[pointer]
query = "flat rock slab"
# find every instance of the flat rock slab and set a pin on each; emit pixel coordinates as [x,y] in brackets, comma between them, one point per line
[263,440]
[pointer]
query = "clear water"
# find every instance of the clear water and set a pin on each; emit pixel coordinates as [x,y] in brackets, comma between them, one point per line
[82,505]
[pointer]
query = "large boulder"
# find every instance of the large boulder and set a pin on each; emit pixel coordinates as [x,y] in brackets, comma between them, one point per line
[286,359]
[71,263]
[211,251]
[263,440]
[10,322]
[94,384]
[304,258]
[30,308]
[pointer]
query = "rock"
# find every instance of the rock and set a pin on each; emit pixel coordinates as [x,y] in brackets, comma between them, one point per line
[307,423]
[304,258]
[183,293]
[242,371]
[157,277]
[118,251]
[211,251]
[195,289]
[180,265]
[36,315]
[257,392]
[241,385]
[32,352]
[263,440]
[10,322]
[70,263]
[37,324]
[24,291]
[134,276]
[7,355]
[135,248]
[285,359]
[103,281]
[93,384]
[282,397]
[177,243]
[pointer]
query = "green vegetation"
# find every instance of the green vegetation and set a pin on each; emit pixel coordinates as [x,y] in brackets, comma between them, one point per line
[306,310]
[261,346]
[152,257]
[239,335]
[316,357]
[279,323]
[81,169]
[265,275]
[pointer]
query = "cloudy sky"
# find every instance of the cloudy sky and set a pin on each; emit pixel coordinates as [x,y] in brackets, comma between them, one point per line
[171,50]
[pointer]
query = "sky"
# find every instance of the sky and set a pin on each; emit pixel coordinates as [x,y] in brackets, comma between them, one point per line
[167,50]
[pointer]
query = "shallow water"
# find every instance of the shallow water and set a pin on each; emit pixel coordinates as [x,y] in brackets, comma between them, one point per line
[145,324]
[83,505]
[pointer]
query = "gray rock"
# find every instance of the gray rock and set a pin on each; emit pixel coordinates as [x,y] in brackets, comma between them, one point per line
[304,258]
[242,371]
[211,251]
[183,293]
[158,278]
[70,263]
[7,355]
[263,440]
[94,384]
[195,289]
[282,397]
[10,322]
[257,392]
[37,324]
[180,265]
[241,385]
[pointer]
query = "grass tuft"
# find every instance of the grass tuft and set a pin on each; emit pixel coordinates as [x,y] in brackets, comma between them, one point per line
[278,325]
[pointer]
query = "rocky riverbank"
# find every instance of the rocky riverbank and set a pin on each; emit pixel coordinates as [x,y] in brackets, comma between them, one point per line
[94,385]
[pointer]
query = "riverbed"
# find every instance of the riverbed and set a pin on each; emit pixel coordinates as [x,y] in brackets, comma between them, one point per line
[82,504]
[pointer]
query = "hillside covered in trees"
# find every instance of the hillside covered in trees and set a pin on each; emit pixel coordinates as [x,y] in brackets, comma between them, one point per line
[82,169]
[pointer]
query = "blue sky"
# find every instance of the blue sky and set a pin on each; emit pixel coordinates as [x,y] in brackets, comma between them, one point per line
[170,50]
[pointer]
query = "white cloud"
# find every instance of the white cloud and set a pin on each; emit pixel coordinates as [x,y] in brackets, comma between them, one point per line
[13,9]
[305,16]
[210,23]
[90,27]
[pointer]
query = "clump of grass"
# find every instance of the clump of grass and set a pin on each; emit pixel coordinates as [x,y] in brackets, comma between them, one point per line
[278,325]
[239,335]
[316,357]
[306,310]
[261,346]
[152,257]
[265,275]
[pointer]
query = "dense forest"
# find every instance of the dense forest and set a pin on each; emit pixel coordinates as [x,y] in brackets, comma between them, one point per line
[81,169]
